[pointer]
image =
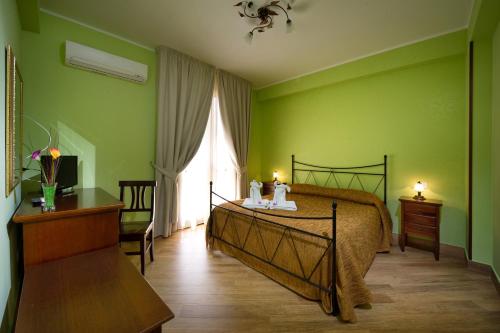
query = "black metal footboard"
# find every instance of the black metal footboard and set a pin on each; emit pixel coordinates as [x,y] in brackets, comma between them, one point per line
[286,231]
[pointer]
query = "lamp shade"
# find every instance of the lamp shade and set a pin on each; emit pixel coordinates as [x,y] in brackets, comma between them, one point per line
[419,187]
[275,174]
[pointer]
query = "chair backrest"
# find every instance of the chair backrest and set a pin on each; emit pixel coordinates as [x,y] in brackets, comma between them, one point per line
[138,201]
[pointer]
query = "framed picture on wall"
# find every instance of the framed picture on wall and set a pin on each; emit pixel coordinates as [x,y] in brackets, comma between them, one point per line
[13,122]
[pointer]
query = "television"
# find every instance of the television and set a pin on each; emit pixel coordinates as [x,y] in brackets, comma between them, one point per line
[67,176]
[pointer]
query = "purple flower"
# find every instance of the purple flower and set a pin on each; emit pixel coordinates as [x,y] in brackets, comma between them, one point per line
[36,155]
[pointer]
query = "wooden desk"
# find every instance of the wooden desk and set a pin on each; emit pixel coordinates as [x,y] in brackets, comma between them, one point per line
[82,222]
[99,291]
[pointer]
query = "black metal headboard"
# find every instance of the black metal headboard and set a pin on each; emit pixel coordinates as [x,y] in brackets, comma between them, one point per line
[374,171]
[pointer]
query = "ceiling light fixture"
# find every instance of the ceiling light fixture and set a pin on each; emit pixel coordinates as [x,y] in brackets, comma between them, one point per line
[264,14]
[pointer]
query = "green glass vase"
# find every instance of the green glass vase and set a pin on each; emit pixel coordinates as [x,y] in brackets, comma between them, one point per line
[49,193]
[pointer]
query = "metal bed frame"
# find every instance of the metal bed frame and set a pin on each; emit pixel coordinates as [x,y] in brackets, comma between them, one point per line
[331,243]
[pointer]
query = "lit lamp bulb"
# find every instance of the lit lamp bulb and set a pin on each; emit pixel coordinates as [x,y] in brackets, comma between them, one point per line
[275,175]
[419,187]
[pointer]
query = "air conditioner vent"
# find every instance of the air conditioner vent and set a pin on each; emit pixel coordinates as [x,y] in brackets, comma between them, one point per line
[87,58]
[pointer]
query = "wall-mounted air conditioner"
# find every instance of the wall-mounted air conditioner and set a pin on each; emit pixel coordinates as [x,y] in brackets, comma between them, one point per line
[90,59]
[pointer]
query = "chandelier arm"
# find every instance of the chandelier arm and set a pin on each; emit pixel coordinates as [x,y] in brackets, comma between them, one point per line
[251,31]
[283,9]
[245,11]
[263,26]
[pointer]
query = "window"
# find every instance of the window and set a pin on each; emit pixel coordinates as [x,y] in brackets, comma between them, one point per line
[213,161]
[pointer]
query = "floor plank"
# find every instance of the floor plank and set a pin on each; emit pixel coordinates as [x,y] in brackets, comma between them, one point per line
[211,292]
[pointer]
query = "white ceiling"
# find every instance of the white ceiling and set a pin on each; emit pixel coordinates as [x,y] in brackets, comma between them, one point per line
[325,32]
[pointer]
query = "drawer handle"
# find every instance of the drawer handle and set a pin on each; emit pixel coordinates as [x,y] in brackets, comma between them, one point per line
[427,214]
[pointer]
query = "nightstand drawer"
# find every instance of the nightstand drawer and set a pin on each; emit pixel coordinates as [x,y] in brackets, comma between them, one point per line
[421,219]
[267,188]
[421,229]
[421,209]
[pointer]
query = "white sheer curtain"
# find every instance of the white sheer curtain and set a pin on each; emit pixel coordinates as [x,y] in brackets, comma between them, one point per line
[213,161]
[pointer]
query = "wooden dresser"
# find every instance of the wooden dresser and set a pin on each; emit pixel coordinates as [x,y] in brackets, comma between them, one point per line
[84,221]
[420,218]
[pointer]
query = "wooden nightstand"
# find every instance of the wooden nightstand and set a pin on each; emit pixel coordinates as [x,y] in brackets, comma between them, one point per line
[267,188]
[420,218]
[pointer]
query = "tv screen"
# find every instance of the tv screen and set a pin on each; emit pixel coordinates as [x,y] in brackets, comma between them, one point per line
[68,171]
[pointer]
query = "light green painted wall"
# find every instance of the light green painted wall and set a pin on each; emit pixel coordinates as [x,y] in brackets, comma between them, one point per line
[484,22]
[425,51]
[495,149]
[10,30]
[108,122]
[415,113]
[482,238]
[29,13]
[254,161]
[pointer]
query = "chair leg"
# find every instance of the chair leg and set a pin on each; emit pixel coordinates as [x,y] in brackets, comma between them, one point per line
[151,249]
[142,250]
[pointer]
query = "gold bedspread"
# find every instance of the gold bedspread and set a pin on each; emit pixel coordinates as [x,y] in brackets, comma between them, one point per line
[363,228]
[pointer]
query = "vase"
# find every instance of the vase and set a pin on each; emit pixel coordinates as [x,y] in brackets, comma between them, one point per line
[49,192]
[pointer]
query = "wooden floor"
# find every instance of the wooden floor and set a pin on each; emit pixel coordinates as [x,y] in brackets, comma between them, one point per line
[211,292]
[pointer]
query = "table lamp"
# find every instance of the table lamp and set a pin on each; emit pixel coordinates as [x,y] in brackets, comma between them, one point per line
[275,175]
[419,187]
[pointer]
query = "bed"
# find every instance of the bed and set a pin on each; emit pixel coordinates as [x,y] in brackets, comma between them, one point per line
[294,248]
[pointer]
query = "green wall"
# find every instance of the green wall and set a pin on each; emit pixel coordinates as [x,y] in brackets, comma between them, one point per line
[108,122]
[254,160]
[485,218]
[408,103]
[495,148]
[10,33]
[482,238]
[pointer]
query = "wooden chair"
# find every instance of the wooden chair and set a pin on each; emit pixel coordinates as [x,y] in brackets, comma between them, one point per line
[138,231]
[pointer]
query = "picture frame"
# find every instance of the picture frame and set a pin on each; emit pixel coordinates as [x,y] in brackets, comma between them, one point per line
[14,87]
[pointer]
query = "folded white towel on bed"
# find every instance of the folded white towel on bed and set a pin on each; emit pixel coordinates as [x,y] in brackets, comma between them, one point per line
[266,204]
[288,205]
[248,203]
